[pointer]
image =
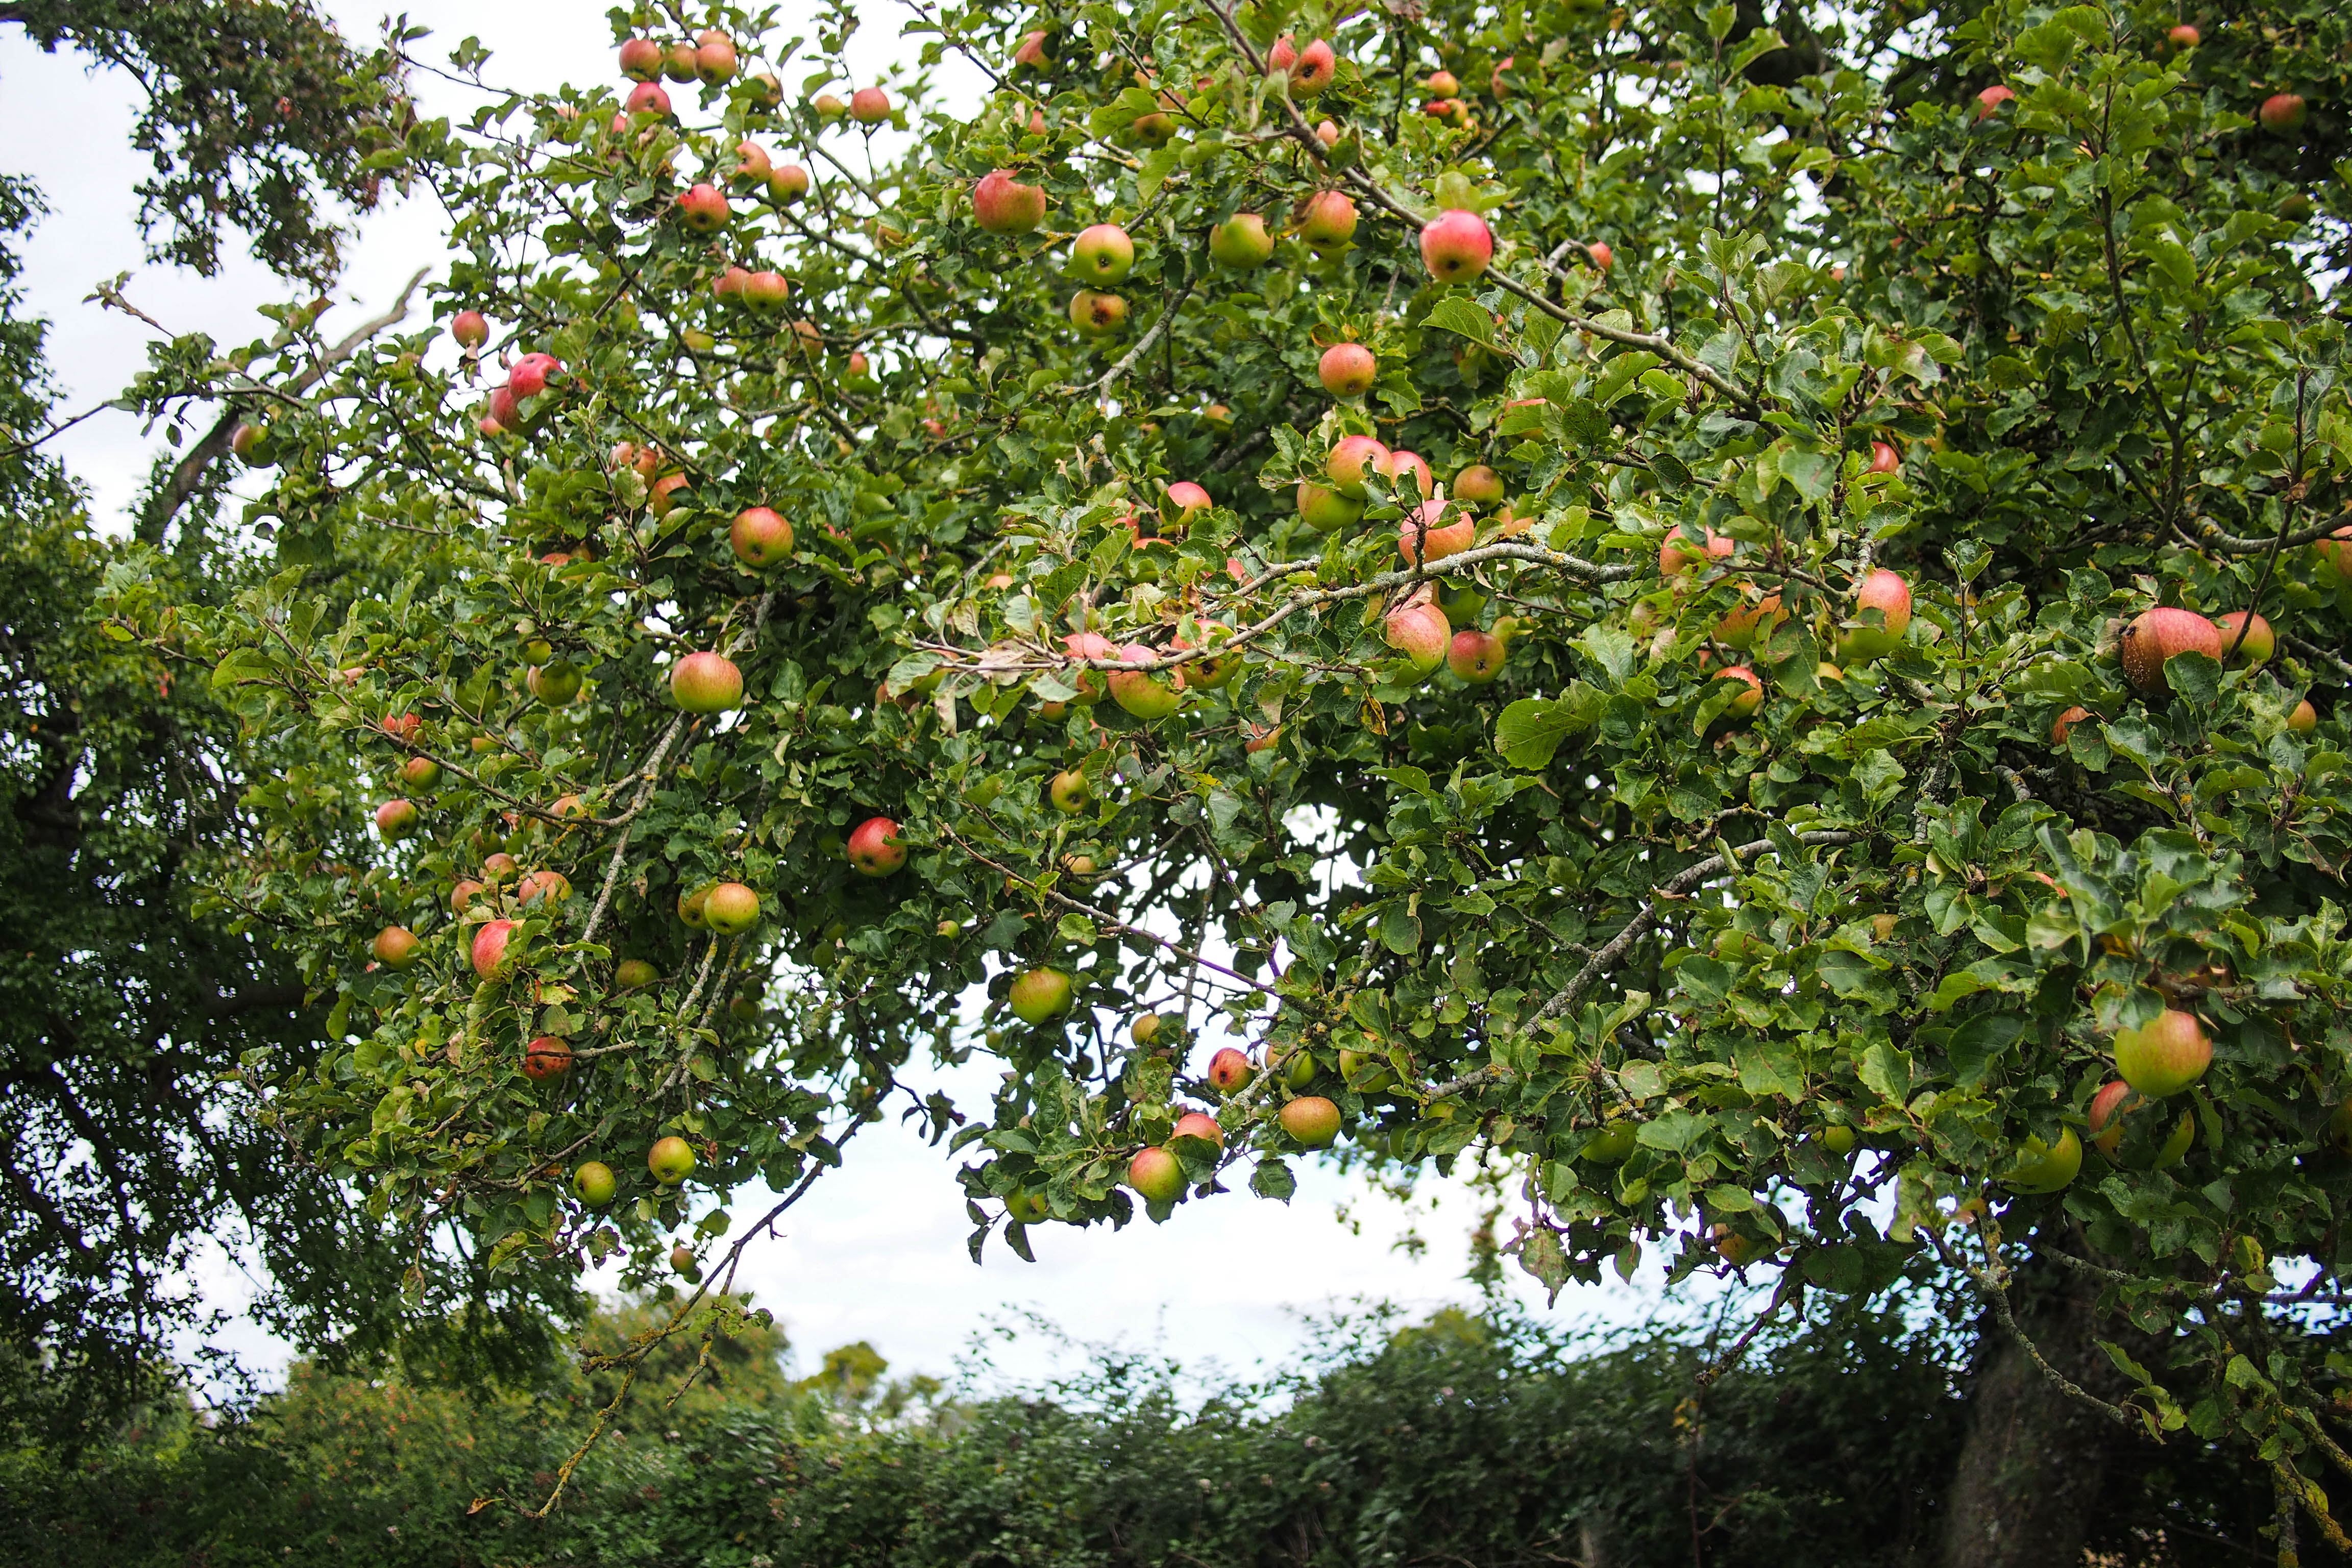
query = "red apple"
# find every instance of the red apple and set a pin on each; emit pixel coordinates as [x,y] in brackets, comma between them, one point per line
[1407,471]
[731,908]
[670,1160]
[2164,1057]
[2181,38]
[2254,646]
[1457,246]
[1890,595]
[471,329]
[1418,630]
[1241,242]
[827,108]
[1748,701]
[546,1057]
[789,183]
[543,886]
[1480,485]
[1602,257]
[761,538]
[1146,696]
[528,378]
[1317,67]
[1200,1124]
[1884,458]
[729,285]
[641,59]
[1353,458]
[463,895]
[1437,528]
[1040,995]
[869,106]
[1032,51]
[873,847]
[1328,221]
[1476,655]
[2155,637]
[493,953]
[501,866]
[650,97]
[1088,644]
[1157,1174]
[2335,550]
[420,772]
[2065,724]
[2281,113]
[1229,1069]
[2305,718]
[766,291]
[714,56]
[1327,133]
[401,727]
[1312,1121]
[703,209]
[1282,57]
[1001,204]
[396,819]
[1191,500]
[1348,370]
[395,947]
[706,683]
[677,61]
[1096,315]
[1989,100]
[1325,510]
[1102,254]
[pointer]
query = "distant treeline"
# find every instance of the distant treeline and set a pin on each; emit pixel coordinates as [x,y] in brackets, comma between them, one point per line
[1461,1440]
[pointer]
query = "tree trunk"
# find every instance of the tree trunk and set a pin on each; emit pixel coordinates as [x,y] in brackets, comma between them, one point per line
[2026,1491]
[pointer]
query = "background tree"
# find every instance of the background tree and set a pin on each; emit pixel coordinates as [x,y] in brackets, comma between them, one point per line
[1766,783]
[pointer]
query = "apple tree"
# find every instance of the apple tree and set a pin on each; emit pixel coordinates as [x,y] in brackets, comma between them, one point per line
[1739,627]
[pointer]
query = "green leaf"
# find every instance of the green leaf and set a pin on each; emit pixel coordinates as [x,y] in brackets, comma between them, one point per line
[1461,316]
[1531,730]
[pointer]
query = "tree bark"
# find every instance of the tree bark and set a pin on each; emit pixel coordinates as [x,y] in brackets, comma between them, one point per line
[2027,1489]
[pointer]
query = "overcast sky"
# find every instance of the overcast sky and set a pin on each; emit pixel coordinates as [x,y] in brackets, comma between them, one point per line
[877,1252]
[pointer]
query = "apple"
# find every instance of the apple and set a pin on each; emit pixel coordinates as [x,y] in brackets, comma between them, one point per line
[420,772]
[1613,1145]
[1312,1121]
[1480,485]
[462,896]
[1436,529]
[1229,1069]
[869,106]
[728,287]
[1329,220]
[766,291]
[1837,1138]
[648,98]
[1148,697]
[641,59]
[1327,133]
[2039,1168]
[1989,100]
[1737,1250]
[1497,82]
[788,183]
[2181,38]
[1368,1071]
[1317,67]
[1040,995]
[1602,257]
[1325,509]
[570,807]
[2281,113]
[635,975]
[1407,471]
[1474,655]
[493,953]
[1153,130]
[253,444]
[1032,51]
[1442,84]
[1001,204]
[2116,1100]
[1884,458]
[677,61]
[2065,724]
[703,209]
[1886,593]
[706,683]
[499,867]
[1208,673]
[555,684]
[1751,624]
[1419,631]
[731,908]
[1457,246]
[1282,57]
[1746,702]
[546,1058]
[1241,242]
[2255,645]
[826,107]
[752,165]
[395,947]
[1157,1174]
[1191,500]
[1096,315]
[396,819]
[1348,370]
[874,850]
[1088,644]
[714,56]
[2336,550]
[2155,637]
[690,907]
[2305,718]
[1102,254]
[760,538]
[1070,791]
[1353,458]
[2164,1057]
[1200,1124]
[593,1183]
[543,886]
[663,495]
[670,1160]
[471,329]
[528,378]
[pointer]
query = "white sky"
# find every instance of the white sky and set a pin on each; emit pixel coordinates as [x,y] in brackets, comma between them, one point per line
[876,1252]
